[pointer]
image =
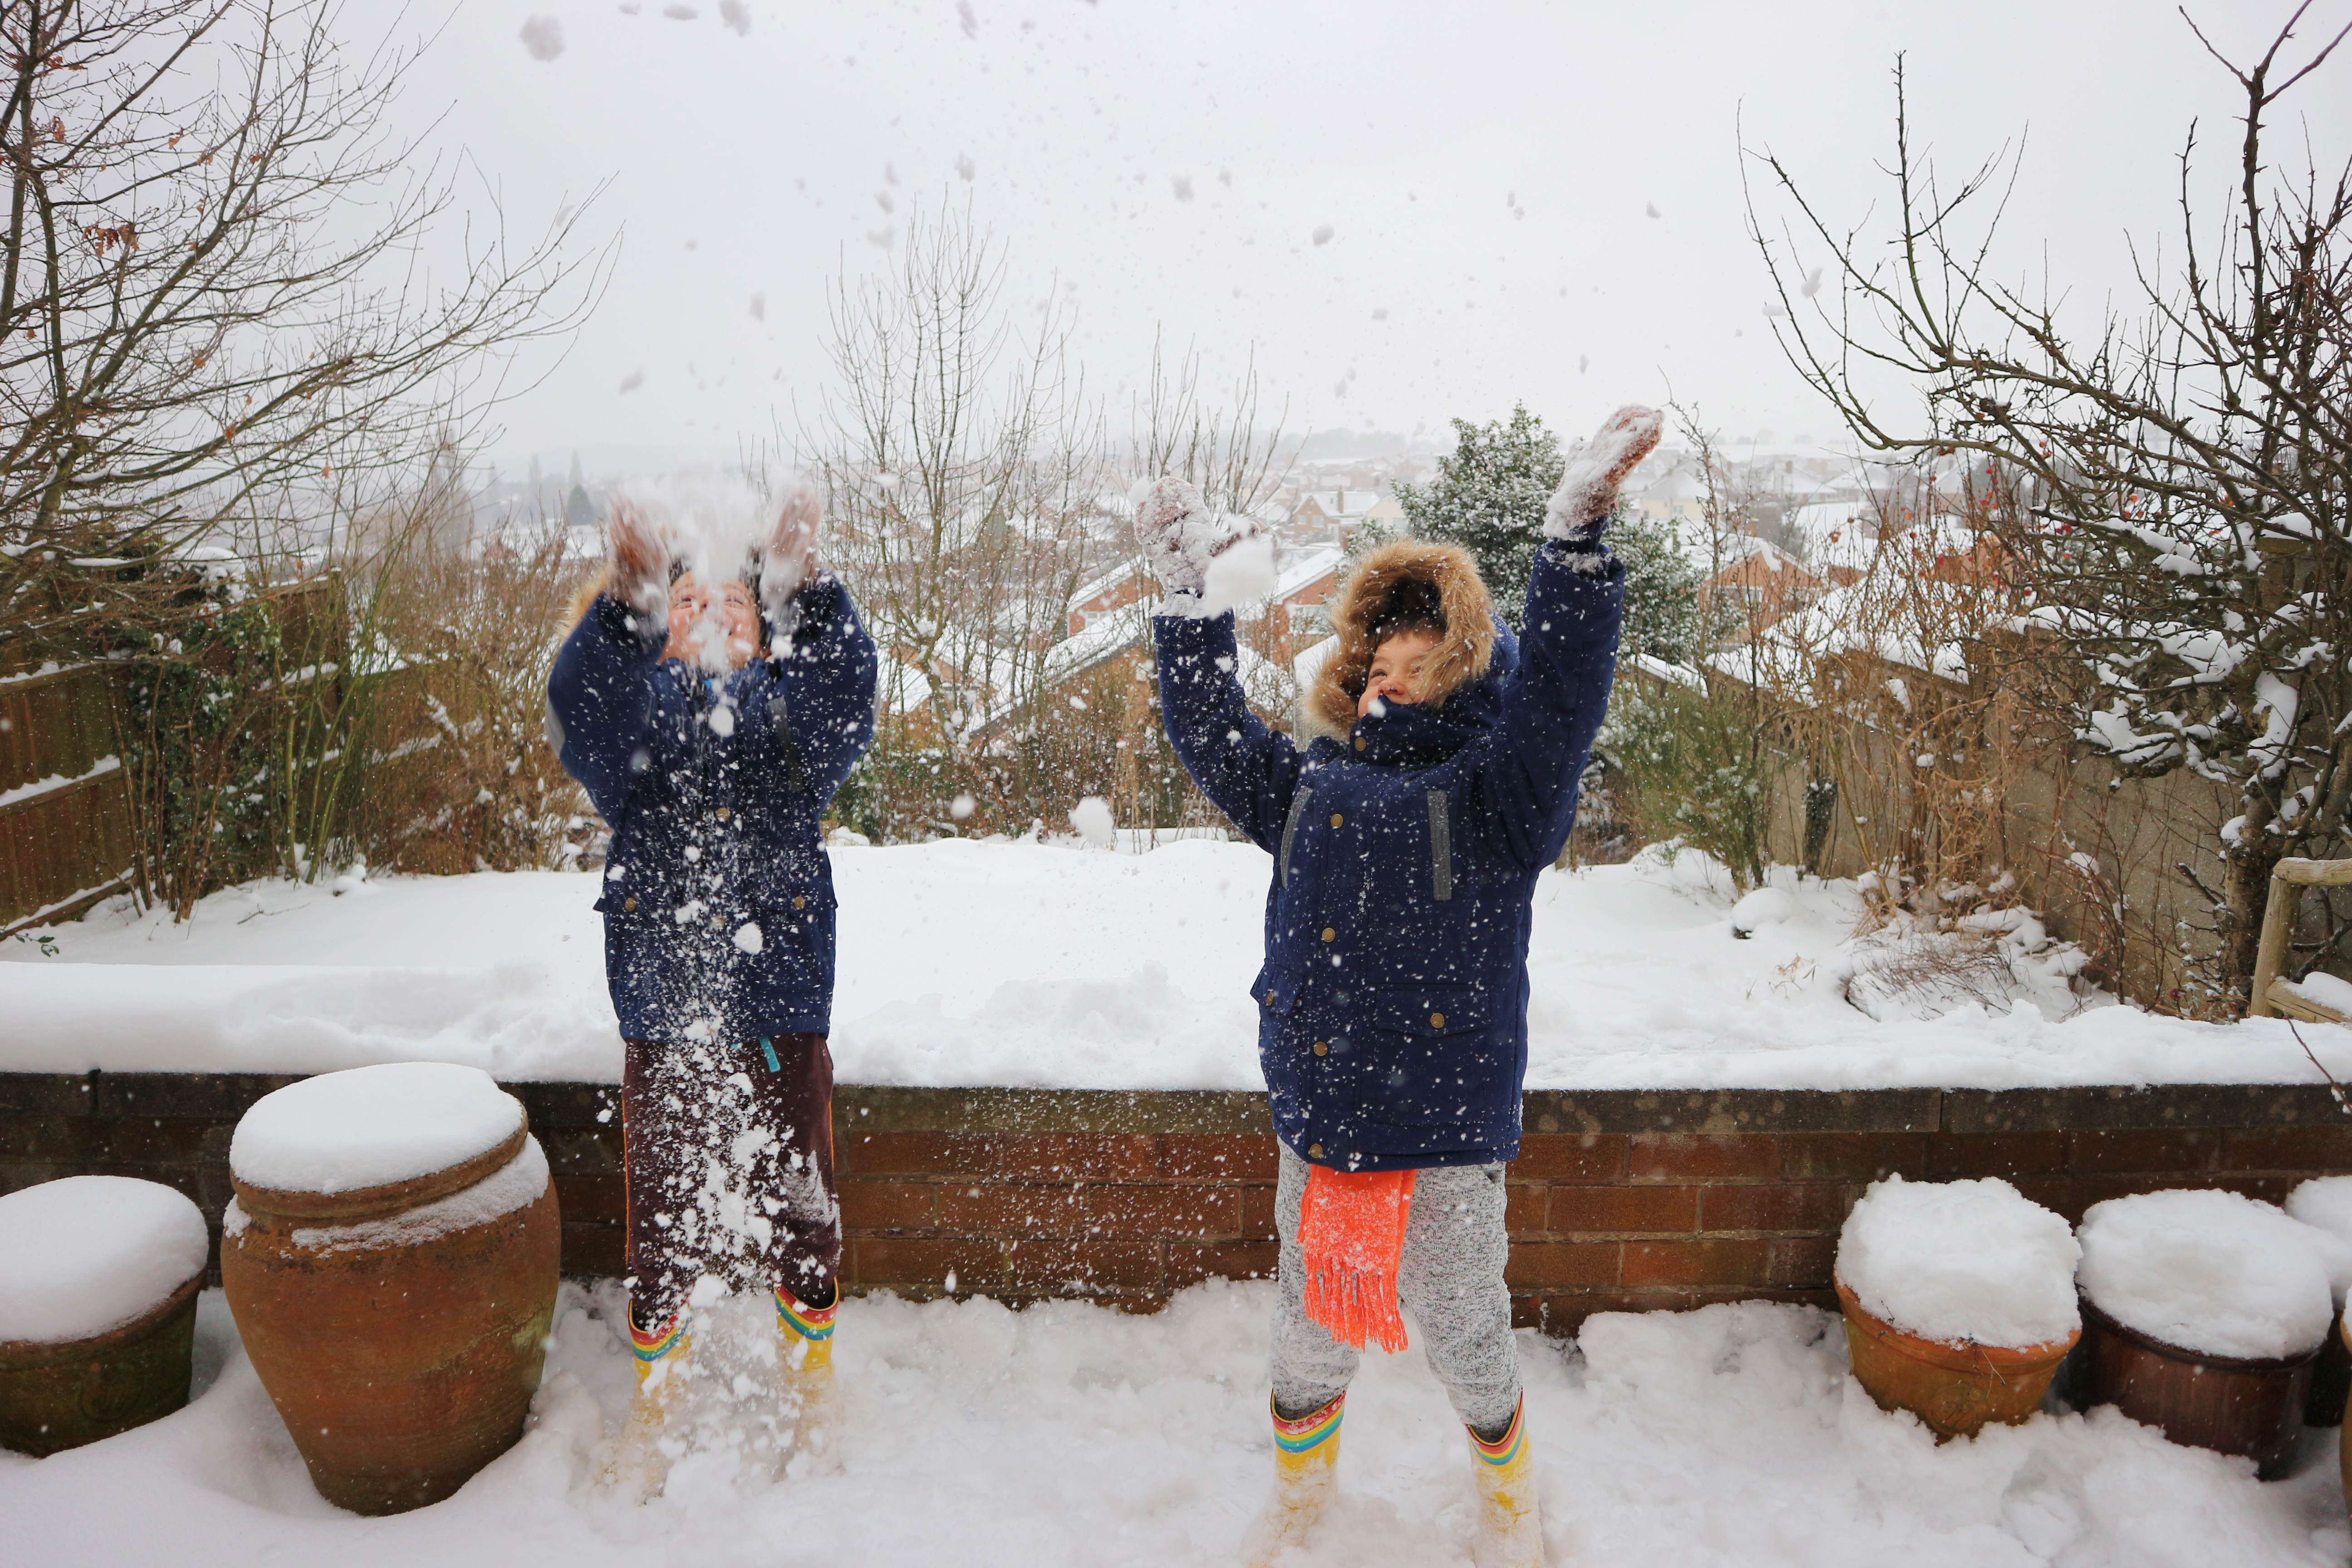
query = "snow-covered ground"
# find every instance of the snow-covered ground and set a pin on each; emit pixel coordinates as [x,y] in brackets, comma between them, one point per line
[1072,1434]
[1025,964]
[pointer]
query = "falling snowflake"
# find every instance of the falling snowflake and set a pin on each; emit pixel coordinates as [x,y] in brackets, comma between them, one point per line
[1183,184]
[634,380]
[966,18]
[759,307]
[1651,208]
[680,13]
[543,36]
[965,166]
[736,15]
[1323,233]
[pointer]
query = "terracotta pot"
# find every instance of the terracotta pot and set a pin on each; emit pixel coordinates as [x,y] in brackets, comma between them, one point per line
[401,1342]
[2331,1382]
[61,1395]
[2343,1337]
[1954,1388]
[2231,1405]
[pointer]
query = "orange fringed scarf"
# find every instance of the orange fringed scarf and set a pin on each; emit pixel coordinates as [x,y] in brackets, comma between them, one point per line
[1351,1228]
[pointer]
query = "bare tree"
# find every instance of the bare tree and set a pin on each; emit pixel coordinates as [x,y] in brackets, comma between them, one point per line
[960,460]
[2181,528]
[215,318]
[1220,448]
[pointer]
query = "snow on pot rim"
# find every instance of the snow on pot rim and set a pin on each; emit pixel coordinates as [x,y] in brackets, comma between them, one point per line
[2209,1272]
[2325,1204]
[1962,1262]
[370,1127]
[84,1255]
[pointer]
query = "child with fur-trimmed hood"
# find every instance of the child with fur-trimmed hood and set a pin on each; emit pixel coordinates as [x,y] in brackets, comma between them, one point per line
[1406,840]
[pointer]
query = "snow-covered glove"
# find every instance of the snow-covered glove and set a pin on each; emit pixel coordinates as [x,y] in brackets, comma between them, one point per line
[1580,508]
[1180,538]
[788,556]
[639,576]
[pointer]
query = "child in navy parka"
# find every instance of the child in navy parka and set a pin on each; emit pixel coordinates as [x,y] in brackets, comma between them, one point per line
[1406,840]
[710,720]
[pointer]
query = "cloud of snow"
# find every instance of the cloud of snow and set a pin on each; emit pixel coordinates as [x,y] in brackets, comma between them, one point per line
[1092,819]
[1242,575]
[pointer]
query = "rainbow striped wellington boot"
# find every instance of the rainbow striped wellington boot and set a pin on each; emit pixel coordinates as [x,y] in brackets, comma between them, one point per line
[1306,1477]
[1511,1519]
[804,1355]
[635,1462]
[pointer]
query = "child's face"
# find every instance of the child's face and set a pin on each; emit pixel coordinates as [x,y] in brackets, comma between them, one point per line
[718,632]
[1396,669]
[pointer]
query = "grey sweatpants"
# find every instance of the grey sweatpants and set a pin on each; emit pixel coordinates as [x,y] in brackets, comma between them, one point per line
[1450,1282]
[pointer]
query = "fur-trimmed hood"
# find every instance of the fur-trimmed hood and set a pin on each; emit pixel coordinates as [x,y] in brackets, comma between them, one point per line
[1464,655]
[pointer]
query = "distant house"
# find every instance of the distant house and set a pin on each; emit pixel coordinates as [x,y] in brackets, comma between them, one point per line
[1764,579]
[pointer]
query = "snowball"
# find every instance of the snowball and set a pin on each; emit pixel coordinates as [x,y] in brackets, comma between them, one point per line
[86,1254]
[1973,1261]
[1092,819]
[2209,1272]
[1243,574]
[963,806]
[2325,1204]
[368,1126]
[749,937]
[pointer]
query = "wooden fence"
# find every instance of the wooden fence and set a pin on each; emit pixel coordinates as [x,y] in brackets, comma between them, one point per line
[66,831]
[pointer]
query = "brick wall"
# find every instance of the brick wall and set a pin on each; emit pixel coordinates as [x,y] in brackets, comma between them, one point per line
[1619,1201]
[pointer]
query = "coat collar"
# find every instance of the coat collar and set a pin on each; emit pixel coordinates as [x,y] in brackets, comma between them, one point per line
[1422,734]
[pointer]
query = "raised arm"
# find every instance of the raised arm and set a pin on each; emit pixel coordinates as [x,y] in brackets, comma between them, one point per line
[600,694]
[1553,704]
[820,701]
[1247,769]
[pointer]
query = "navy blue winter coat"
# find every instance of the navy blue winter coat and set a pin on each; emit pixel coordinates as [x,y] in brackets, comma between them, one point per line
[718,897]
[1392,1006]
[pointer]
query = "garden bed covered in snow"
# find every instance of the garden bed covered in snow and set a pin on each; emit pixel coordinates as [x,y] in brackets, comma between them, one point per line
[1021,964]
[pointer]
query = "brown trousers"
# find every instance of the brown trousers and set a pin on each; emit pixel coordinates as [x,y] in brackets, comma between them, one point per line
[729,1154]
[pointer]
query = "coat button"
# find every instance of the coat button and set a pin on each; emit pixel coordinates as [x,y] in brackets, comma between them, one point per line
[1437,1020]
[1322,1048]
[724,814]
[800,903]
[1360,742]
[1269,998]
[1315,1151]
[1336,819]
[1330,936]
[629,906]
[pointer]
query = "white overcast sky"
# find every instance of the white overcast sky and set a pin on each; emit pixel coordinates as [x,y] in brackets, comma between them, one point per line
[750,163]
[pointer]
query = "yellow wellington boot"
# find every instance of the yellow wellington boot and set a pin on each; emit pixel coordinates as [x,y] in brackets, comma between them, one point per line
[804,1353]
[1305,1478]
[1510,1518]
[635,1463]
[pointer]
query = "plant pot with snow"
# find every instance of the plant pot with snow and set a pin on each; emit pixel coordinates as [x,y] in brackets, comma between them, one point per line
[2203,1313]
[99,1277]
[392,1257]
[1958,1299]
[2325,1204]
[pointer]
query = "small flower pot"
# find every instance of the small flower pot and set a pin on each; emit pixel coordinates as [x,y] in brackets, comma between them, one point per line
[1954,1389]
[63,1395]
[2232,1404]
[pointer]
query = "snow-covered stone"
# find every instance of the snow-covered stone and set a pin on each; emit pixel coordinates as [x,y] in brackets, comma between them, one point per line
[2324,1203]
[342,1131]
[86,1254]
[1962,1262]
[2209,1272]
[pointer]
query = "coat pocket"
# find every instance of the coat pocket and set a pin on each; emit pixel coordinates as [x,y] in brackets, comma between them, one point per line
[1276,988]
[1431,1055]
